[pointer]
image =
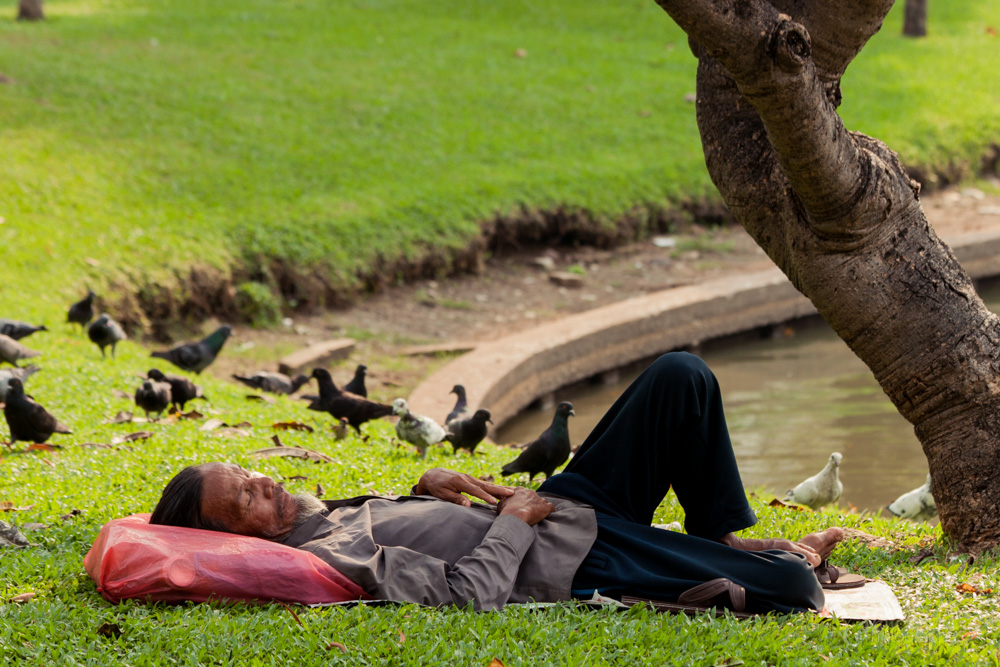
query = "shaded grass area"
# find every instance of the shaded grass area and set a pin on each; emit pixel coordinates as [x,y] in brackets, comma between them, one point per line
[308,143]
[60,625]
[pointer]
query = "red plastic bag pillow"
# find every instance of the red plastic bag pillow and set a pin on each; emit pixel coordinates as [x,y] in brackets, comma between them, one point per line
[133,559]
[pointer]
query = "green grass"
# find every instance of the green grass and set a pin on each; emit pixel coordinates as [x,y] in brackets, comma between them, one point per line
[59,626]
[338,137]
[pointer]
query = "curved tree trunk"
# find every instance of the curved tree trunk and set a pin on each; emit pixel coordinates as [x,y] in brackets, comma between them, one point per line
[839,214]
[915,18]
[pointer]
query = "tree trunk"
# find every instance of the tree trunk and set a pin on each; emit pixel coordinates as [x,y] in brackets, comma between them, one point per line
[838,213]
[30,10]
[915,18]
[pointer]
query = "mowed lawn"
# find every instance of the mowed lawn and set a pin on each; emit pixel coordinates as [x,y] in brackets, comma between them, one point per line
[140,138]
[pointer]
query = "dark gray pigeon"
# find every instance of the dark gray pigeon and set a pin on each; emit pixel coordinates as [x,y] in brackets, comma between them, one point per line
[82,312]
[340,403]
[273,383]
[549,451]
[153,397]
[18,330]
[469,432]
[196,357]
[12,351]
[420,431]
[21,374]
[357,384]
[104,331]
[182,390]
[28,421]
[461,404]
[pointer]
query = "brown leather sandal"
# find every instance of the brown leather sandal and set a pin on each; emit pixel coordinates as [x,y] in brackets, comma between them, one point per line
[720,592]
[836,578]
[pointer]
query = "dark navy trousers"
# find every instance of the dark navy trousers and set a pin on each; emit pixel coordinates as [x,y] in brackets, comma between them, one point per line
[668,430]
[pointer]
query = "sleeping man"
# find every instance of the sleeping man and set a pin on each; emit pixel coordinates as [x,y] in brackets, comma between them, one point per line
[587,528]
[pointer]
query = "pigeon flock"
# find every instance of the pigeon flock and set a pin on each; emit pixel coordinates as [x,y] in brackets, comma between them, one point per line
[28,421]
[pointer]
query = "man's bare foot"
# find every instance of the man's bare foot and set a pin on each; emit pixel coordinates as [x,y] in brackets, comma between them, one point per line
[824,541]
[814,546]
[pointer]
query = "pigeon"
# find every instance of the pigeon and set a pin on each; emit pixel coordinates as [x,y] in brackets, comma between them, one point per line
[18,330]
[468,433]
[339,403]
[549,451]
[153,397]
[357,384]
[28,420]
[82,312]
[11,351]
[917,504]
[417,430]
[340,431]
[21,374]
[196,357]
[821,489]
[274,383]
[182,390]
[461,405]
[104,331]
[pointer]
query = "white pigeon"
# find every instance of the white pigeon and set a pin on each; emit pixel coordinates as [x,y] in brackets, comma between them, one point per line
[821,489]
[11,351]
[417,430]
[917,504]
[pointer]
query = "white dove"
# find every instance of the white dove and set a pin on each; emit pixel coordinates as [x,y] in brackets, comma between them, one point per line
[917,504]
[416,429]
[821,489]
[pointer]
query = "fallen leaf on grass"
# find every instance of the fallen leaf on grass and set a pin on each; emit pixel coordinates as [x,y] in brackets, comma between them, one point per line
[118,393]
[972,634]
[23,597]
[402,637]
[71,514]
[8,506]
[232,432]
[260,397]
[776,502]
[11,536]
[320,491]
[193,414]
[131,437]
[972,588]
[124,417]
[336,645]
[297,478]
[110,631]
[211,424]
[33,526]
[921,556]
[96,445]
[277,441]
[295,452]
[495,662]
[293,426]
[41,447]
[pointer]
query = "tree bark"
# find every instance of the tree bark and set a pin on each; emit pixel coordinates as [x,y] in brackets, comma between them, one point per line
[30,10]
[915,18]
[837,212]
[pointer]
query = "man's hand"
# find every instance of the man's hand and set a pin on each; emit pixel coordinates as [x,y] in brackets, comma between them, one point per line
[450,485]
[526,505]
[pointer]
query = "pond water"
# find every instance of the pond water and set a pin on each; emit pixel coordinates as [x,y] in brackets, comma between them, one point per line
[790,401]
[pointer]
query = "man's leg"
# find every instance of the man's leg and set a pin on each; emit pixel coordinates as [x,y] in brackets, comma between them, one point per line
[667,429]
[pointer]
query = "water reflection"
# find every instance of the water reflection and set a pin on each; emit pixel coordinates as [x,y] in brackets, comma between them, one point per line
[790,401]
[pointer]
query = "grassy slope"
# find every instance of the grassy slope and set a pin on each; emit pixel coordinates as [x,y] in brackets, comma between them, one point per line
[150,135]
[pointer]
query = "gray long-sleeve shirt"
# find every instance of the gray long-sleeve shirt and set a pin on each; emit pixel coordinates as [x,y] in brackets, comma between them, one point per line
[422,549]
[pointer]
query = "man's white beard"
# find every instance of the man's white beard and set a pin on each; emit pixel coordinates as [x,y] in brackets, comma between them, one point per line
[307,506]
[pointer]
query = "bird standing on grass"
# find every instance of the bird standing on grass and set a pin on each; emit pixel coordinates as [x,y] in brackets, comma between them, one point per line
[549,451]
[104,331]
[273,383]
[357,384]
[153,397]
[196,357]
[182,390]
[822,488]
[82,312]
[420,431]
[468,433]
[12,352]
[461,404]
[22,374]
[339,403]
[917,504]
[18,330]
[28,421]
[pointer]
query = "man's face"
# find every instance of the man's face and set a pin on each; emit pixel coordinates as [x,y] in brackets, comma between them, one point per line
[246,503]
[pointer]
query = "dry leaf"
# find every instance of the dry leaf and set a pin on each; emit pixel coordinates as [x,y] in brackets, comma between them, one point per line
[118,393]
[93,262]
[296,452]
[95,445]
[121,417]
[23,597]
[71,514]
[33,526]
[402,637]
[293,426]
[41,447]
[495,662]
[320,491]
[297,478]
[277,441]
[131,437]
[211,424]
[193,414]
[260,397]
[972,634]
[972,588]
[8,506]
[110,630]
[336,645]
[232,432]
[781,503]
[486,478]
[48,463]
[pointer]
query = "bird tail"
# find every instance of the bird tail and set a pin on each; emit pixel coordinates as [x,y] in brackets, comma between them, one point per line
[509,469]
[62,428]
[245,380]
[161,355]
